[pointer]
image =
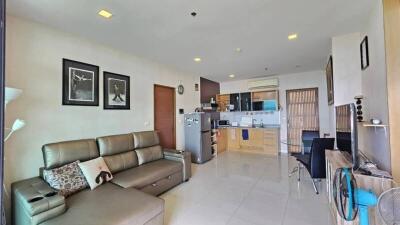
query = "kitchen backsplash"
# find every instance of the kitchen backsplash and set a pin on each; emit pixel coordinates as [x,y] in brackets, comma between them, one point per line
[269,118]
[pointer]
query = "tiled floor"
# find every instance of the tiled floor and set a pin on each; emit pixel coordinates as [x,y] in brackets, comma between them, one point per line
[246,189]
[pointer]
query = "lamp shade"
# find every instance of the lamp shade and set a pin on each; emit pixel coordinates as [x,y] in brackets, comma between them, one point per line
[18,124]
[11,94]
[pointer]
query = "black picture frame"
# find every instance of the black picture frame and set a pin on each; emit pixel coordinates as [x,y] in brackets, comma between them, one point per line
[80,83]
[329,81]
[364,53]
[116,91]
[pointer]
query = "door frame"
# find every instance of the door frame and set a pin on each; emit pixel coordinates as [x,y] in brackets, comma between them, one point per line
[154,108]
[2,87]
[287,109]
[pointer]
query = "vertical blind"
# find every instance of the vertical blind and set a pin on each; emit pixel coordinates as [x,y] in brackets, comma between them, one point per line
[302,114]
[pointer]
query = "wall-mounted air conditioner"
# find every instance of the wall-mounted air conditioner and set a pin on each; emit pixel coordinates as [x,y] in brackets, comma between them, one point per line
[263,84]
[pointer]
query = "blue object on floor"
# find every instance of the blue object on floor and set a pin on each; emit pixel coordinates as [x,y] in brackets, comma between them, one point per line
[245,134]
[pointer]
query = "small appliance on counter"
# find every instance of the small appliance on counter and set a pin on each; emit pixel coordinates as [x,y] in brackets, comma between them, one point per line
[223,123]
[198,136]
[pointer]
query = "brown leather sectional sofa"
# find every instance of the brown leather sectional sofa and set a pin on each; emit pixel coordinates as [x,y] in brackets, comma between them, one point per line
[129,198]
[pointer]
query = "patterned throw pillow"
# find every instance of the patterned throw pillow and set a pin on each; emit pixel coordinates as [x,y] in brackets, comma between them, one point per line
[96,172]
[67,179]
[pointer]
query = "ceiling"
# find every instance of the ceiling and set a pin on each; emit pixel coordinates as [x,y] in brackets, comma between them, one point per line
[164,31]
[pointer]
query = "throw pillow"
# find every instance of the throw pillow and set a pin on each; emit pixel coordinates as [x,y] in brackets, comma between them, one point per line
[96,172]
[67,179]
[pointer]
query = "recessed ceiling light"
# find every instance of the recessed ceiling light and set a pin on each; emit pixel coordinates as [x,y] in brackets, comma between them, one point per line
[197,59]
[292,36]
[105,14]
[232,75]
[238,50]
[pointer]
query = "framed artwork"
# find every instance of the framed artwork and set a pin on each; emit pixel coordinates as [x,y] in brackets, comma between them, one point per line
[329,81]
[80,83]
[116,91]
[364,51]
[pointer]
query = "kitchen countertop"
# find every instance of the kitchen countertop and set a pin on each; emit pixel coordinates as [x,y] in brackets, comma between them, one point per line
[270,126]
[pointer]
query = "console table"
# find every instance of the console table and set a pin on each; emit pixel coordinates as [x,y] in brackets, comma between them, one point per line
[335,160]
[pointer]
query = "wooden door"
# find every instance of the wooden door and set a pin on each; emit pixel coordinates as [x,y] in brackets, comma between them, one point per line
[164,115]
[302,114]
[392,39]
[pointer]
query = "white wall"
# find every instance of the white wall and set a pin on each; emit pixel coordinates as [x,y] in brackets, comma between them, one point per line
[346,68]
[34,64]
[350,80]
[375,142]
[310,79]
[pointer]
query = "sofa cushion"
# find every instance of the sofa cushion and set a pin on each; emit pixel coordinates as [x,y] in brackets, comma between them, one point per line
[96,172]
[111,145]
[149,154]
[146,139]
[67,179]
[30,195]
[146,174]
[109,205]
[61,153]
[123,161]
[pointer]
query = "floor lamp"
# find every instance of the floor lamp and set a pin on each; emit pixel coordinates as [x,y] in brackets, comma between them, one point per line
[11,94]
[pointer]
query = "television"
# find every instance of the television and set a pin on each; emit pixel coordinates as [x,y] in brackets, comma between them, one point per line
[346,132]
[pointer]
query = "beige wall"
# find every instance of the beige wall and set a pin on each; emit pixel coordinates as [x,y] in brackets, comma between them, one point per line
[34,64]
[350,81]
[375,142]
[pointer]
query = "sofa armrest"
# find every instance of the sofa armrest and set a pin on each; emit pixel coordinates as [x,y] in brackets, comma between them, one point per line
[184,158]
[34,202]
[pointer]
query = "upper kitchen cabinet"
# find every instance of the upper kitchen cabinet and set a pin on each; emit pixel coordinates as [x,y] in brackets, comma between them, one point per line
[249,101]
[265,100]
[245,101]
[235,101]
[223,102]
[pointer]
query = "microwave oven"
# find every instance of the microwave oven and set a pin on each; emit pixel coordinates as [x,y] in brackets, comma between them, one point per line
[222,123]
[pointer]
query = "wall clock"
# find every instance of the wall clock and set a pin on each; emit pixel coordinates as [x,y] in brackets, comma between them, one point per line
[181,89]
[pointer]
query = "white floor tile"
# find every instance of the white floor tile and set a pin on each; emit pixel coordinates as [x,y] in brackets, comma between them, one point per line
[246,189]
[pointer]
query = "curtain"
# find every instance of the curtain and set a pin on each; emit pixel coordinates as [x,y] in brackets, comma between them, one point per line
[302,114]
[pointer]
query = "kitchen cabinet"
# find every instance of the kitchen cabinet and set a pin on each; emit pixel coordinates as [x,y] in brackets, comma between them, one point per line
[245,101]
[223,102]
[248,101]
[222,140]
[255,142]
[235,101]
[260,140]
[233,138]
[259,98]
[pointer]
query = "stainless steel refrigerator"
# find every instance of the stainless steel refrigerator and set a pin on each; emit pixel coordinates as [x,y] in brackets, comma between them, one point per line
[198,136]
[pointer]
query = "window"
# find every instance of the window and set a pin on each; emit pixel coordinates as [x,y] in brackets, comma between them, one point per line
[302,114]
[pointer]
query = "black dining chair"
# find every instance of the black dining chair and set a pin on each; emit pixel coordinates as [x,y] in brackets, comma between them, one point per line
[307,136]
[315,161]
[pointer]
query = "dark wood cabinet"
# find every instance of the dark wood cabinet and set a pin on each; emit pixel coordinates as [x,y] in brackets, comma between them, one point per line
[235,101]
[245,101]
